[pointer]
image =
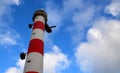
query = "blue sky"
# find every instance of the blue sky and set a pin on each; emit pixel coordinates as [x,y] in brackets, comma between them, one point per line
[86,39]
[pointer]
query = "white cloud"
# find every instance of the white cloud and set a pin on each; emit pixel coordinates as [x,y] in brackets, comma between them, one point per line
[100,54]
[54,62]
[83,16]
[8,35]
[18,69]
[71,5]
[11,2]
[5,6]
[113,8]
[17,2]
[54,14]
[76,11]
[81,19]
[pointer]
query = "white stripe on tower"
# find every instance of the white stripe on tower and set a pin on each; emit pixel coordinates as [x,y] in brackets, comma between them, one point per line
[40,34]
[40,18]
[34,61]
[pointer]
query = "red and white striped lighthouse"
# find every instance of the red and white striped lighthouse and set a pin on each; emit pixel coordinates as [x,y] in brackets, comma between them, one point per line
[34,60]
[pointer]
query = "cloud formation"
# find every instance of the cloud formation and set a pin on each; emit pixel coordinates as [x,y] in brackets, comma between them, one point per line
[18,69]
[78,12]
[54,62]
[113,8]
[54,13]
[11,2]
[8,35]
[100,54]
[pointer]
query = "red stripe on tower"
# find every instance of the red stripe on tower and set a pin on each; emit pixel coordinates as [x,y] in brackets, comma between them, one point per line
[36,45]
[32,72]
[39,25]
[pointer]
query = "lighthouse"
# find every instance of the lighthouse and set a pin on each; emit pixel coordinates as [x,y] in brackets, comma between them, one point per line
[35,54]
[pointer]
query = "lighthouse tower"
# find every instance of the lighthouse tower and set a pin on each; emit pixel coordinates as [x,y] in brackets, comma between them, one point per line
[34,60]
